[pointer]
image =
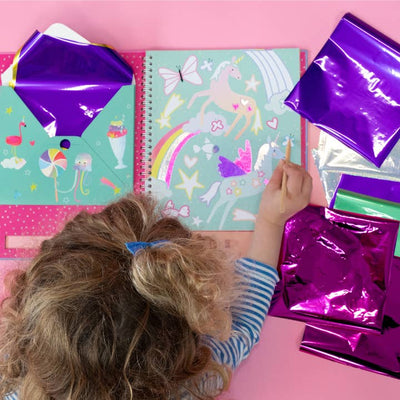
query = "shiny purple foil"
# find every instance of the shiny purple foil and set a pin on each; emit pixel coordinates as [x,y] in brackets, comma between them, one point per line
[377,353]
[66,84]
[379,188]
[352,89]
[334,268]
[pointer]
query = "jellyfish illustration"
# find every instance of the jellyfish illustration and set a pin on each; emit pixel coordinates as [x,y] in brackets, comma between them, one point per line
[83,164]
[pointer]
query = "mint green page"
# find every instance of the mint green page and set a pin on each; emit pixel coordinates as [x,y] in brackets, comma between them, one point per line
[217,127]
[93,169]
[361,204]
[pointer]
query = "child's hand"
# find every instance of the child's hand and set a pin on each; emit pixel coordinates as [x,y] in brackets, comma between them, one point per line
[299,185]
[266,241]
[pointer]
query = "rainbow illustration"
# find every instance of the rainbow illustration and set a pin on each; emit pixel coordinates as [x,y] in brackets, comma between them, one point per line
[275,75]
[166,151]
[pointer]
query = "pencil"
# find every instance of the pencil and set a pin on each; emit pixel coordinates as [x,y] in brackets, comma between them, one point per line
[284,178]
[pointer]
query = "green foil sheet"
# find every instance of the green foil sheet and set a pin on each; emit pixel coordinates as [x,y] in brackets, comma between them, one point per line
[361,204]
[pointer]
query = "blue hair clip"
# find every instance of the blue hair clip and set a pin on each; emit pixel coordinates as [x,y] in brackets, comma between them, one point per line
[133,247]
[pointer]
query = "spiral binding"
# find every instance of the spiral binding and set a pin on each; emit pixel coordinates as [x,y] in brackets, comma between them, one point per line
[148,120]
[143,134]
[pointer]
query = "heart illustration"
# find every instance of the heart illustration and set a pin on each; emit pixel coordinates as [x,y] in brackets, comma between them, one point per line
[243,101]
[273,123]
[190,162]
[32,142]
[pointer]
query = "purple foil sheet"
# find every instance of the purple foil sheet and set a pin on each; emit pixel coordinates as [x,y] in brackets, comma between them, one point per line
[379,188]
[352,89]
[377,353]
[67,84]
[334,268]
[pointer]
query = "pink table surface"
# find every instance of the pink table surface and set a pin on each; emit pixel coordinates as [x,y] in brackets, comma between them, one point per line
[276,369]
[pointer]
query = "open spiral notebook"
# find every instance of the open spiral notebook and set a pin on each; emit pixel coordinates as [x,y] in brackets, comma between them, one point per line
[202,132]
[212,129]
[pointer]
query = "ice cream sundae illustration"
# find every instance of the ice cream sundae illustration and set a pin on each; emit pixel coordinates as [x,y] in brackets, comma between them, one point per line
[117,137]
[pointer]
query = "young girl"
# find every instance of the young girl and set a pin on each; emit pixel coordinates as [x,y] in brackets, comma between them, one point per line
[127,305]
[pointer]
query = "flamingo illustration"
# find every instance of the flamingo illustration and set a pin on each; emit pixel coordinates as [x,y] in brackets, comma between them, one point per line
[15,141]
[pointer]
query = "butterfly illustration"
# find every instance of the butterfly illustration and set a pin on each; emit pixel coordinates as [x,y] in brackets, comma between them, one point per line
[188,73]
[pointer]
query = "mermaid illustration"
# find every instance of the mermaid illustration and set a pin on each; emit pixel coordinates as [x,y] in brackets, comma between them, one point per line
[83,164]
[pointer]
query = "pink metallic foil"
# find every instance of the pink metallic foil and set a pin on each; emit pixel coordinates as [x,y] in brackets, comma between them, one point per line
[377,353]
[334,268]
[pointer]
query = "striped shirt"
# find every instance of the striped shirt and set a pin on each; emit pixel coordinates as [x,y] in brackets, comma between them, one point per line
[248,314]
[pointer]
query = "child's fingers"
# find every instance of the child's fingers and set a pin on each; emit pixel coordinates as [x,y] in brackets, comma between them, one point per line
[276,178]
[295,175]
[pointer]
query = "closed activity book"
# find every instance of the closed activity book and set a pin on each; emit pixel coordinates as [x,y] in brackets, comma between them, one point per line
[66,134]
[201,130]
[213,126]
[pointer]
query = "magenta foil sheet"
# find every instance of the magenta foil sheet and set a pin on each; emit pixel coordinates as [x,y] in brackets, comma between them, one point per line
[377,353]
[352,89]
[334,268]
[66,84]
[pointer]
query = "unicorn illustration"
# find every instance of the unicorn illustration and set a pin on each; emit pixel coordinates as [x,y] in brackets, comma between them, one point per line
[224,97]
[240,180]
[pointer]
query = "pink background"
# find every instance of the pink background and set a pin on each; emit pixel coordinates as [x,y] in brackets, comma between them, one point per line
[276,369]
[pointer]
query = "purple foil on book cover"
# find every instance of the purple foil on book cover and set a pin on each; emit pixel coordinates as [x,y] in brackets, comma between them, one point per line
[352,89]
[378,188]
[377,353]
[66,84]
[334,268]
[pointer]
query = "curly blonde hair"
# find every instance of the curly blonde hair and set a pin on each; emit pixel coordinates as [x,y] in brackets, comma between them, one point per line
[89,320]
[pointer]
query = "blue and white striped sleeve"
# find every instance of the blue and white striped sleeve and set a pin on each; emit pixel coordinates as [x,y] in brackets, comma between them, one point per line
[11,396]
[248,313]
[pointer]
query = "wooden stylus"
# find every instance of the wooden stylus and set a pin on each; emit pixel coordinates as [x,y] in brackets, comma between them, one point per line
[284,178]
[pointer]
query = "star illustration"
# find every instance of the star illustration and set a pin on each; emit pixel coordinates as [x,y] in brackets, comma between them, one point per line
[238,192]
[255,182]
[163,121]
[33,187]
[117,190]
[8,110]
[197,221]
[189,184]
[252,84]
